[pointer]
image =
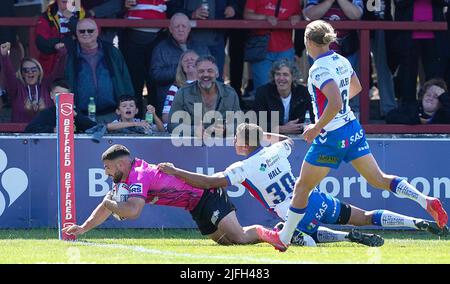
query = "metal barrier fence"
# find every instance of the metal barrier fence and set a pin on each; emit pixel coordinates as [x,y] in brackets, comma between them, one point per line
[363,27]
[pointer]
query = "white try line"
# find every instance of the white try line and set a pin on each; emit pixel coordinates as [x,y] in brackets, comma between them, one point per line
[187,255]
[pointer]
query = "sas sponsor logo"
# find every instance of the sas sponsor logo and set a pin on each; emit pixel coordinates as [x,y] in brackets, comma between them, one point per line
[327,159]
[321,211]
[358,135]
[352,140]
[135,188]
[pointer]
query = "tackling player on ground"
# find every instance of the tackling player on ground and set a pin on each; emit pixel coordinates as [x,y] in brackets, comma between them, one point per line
[267,175]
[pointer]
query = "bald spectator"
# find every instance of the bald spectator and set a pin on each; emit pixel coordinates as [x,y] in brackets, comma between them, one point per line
[167,53]
[97,69]
[200,10]
[104,9]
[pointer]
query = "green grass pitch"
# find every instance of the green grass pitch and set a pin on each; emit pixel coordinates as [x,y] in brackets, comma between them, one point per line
[189,247]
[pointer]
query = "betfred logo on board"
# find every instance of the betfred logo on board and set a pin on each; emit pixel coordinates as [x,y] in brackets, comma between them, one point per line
[66,109]
[65,165]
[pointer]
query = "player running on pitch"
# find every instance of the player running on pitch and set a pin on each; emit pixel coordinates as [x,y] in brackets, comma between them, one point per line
[267,174]
[336,136]
[211,209]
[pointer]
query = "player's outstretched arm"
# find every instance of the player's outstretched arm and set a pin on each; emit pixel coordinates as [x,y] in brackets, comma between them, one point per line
[130,209]
[98,216]
[195,179]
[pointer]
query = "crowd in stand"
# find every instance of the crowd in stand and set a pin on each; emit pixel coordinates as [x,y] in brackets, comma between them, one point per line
[133,71]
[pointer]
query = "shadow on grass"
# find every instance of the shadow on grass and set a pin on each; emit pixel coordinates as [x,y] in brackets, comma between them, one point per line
[406,234]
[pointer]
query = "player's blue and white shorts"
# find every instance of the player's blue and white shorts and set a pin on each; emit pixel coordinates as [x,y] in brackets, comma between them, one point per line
[322,208]
[345,143]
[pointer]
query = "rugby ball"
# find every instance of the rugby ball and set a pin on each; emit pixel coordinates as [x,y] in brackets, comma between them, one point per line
[120,194]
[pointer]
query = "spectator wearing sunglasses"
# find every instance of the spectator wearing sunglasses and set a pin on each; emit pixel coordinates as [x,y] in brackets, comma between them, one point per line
[96,68]
[28,88]
[57,24]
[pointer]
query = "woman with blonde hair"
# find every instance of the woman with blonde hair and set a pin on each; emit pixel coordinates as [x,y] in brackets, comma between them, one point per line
[27,88]
[186,74]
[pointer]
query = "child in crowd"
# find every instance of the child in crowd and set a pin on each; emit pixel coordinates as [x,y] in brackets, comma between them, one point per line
[127,123]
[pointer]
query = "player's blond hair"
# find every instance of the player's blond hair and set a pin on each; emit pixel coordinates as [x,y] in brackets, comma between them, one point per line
[320,32]
[250,134]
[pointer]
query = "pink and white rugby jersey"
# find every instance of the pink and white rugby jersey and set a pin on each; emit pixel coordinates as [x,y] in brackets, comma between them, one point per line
[156,187]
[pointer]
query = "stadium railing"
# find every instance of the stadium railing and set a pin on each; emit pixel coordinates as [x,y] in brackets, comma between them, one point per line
[363,27]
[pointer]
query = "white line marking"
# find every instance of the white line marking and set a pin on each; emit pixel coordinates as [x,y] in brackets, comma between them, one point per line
[187,255]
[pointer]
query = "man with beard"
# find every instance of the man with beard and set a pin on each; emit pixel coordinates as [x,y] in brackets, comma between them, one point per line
[211,209]
[166,55]
[207,100]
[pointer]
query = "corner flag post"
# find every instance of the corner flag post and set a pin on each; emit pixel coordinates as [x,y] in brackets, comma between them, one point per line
[65,163]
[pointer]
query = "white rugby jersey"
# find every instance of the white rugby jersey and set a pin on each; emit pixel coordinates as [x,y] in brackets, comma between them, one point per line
[266,174]
[331,66]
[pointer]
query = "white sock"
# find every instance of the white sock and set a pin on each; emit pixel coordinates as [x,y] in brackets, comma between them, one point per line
[386,218]
[402,188]
[293,217]
[325,235]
